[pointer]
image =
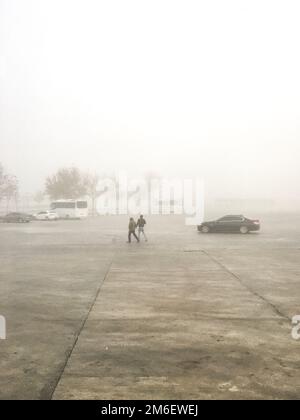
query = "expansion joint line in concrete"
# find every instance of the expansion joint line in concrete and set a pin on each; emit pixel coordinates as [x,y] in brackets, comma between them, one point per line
[70,352]
[266,301]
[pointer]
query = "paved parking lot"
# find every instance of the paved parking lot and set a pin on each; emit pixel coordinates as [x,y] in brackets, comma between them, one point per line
[183,316]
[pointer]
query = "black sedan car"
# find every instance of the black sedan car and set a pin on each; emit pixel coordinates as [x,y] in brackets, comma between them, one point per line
[231,224]
[16,218]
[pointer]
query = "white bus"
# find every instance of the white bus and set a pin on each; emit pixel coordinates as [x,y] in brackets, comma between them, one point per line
[70,209]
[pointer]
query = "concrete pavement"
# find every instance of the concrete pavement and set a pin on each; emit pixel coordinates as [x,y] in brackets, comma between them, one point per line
[184,316]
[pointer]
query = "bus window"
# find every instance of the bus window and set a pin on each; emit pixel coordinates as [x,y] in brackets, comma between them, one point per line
[63,205]
[82,204]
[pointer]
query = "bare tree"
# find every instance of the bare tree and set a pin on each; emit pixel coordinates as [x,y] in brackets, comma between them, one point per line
[67,183]
[12,190]
[2,182]
[91,183]
[8,187]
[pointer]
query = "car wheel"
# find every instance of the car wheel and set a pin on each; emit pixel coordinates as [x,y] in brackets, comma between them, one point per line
[205,229]
[244,230]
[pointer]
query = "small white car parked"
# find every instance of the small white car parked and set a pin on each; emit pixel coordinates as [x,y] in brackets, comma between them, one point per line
[46,215]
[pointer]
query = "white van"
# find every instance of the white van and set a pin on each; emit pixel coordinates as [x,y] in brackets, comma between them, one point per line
[70,209]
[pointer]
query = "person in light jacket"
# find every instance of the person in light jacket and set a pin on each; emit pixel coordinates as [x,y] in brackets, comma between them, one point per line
[141,227]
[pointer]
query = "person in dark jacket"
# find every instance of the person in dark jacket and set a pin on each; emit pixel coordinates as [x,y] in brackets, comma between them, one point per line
[131,228]
[141,227]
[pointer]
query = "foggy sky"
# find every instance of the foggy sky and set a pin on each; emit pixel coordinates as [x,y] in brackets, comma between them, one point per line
[175,87]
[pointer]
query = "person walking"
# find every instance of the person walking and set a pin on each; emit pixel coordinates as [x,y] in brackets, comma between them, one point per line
[141,227]
[131,230]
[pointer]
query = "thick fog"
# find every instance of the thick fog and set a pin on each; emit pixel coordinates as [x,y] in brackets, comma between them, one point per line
[178,88]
